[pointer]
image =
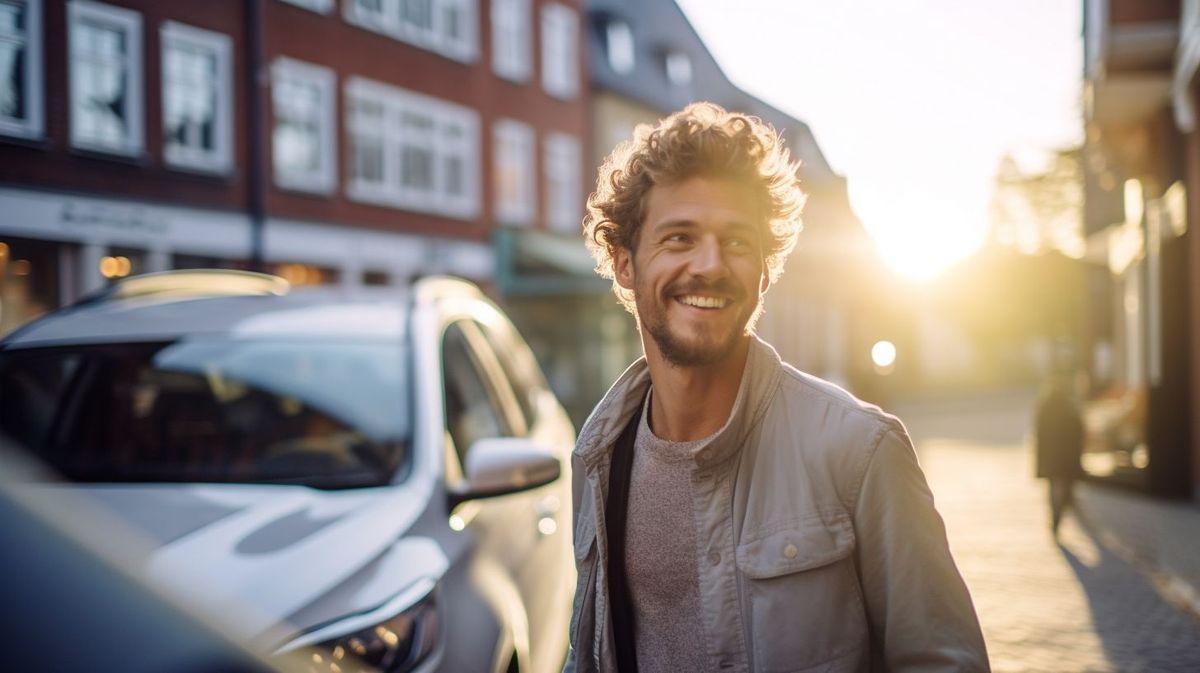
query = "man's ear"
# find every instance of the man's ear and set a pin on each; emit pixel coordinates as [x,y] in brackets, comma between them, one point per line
[623,267]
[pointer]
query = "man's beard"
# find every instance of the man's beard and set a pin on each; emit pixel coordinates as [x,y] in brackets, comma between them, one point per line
[706,348]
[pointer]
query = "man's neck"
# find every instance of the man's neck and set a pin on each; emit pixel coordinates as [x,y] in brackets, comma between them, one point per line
[691,403]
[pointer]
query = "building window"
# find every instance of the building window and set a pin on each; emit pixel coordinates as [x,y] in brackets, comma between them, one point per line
[411,151]
[511,40]
[106,78]
[560,62]
[561,168]
[302,143]
[364,125]
[679,68]
[318,6]
[197,98]
[21,68]
[618,38]
[513,144]
[446,27]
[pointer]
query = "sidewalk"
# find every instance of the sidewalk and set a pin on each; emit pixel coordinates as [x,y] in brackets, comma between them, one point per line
[1107,596]
[1159,538]
[1066,605]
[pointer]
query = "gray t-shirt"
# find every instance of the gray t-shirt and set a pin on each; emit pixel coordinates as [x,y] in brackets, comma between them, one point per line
[660,554]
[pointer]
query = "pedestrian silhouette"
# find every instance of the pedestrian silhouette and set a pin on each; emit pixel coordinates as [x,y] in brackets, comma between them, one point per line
[1059,426]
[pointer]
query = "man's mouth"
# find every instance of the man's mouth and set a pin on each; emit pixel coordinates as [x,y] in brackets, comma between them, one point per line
[699,301]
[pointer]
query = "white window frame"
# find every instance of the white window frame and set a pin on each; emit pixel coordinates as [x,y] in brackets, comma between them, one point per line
[357,125]
[318,6]
[323,180]
[560,51]
[619,45]
[516,143]
[220,158]
[561,170]
[34,124]
[131,23]
[678,66]
[462,143]
[512,40]
[436,38]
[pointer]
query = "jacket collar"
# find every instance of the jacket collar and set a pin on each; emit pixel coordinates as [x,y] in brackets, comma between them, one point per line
[759,380]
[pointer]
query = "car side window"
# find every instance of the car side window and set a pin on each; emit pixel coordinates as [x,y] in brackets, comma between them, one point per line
[472,410]
[516,371]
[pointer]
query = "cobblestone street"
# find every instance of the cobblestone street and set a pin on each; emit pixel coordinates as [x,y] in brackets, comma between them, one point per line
[1080,604]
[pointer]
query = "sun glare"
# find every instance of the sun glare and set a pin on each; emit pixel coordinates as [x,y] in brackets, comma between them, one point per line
[922,250]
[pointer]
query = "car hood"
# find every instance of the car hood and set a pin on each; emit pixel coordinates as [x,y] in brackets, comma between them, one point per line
[275,561]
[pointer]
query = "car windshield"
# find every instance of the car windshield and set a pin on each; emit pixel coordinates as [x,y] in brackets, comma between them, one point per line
[329,414]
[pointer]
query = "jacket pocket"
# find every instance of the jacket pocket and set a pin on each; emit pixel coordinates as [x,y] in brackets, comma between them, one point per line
[804,603]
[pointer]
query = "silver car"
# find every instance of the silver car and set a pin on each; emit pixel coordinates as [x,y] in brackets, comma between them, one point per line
[352,481]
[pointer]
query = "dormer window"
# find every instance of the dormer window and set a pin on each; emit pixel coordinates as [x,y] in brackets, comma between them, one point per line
[679,68]
[619,38]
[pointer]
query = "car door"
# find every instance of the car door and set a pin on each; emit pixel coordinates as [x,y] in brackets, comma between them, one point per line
[512,544]
[549,580]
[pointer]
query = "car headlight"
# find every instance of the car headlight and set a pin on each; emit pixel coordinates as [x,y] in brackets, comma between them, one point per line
[393,645]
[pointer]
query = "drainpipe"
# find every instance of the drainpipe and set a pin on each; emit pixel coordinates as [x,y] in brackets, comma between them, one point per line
[256,179]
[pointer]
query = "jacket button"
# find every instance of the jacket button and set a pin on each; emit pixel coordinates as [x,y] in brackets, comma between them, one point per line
[714,557]
[790,550]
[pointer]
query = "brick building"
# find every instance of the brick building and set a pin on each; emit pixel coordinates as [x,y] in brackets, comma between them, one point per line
[353,142]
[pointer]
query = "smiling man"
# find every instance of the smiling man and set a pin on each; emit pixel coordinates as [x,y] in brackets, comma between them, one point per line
[731,512]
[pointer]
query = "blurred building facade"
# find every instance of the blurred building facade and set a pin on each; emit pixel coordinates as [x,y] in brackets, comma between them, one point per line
[1141,181]
[356,142]
[646,61]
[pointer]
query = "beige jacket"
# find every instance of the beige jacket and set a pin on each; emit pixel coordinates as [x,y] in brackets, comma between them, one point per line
[819,548]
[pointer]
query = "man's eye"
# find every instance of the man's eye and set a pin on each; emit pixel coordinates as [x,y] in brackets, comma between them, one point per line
[678,238]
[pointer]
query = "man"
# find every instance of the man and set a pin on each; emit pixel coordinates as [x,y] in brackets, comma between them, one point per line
[733,513]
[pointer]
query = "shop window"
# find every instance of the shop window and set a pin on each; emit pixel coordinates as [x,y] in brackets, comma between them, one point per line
[372,278]
[183,261]
[299,274]
[28,281]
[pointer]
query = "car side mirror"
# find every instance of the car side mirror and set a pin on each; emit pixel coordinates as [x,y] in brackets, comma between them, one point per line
[503,465]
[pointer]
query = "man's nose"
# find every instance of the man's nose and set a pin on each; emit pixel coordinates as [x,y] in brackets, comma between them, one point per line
[709,258]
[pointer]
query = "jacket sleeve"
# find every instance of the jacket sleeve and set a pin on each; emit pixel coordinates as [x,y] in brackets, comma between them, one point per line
[919,609]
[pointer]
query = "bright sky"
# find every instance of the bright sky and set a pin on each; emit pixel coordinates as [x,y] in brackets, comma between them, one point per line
[914,102]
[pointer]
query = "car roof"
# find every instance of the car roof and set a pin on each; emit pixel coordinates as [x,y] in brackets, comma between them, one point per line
[298,314]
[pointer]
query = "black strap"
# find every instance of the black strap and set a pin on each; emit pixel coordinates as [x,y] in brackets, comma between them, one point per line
[615,510]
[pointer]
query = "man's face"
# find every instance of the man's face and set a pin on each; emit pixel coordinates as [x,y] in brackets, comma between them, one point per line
[697,270]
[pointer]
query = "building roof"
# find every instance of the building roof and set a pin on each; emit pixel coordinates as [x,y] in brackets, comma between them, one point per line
[660,27]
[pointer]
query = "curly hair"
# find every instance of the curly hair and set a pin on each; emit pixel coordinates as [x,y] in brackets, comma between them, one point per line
[701,140]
